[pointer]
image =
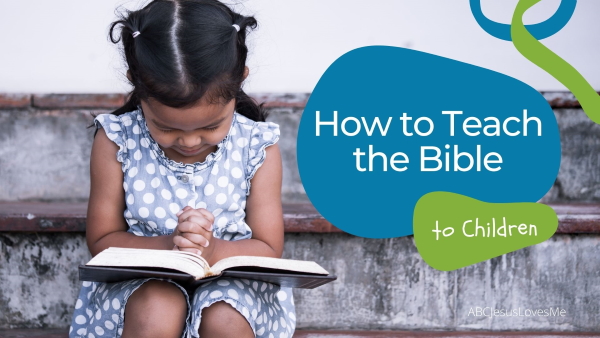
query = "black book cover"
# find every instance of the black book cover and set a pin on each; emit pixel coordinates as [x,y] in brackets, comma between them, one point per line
[283,278]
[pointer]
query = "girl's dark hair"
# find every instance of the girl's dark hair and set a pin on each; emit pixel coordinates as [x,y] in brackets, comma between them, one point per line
[186,49]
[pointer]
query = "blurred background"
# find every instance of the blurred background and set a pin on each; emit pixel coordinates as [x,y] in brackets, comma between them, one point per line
[62,46]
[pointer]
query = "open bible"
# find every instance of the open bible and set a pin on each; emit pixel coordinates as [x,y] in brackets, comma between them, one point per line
[120,264]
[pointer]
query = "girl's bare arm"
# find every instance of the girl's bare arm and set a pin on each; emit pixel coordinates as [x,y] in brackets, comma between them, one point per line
[106,224]
[264,215]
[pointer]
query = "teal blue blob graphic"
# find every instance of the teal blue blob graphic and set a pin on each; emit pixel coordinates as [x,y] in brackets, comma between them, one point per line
[540,30]
[385,82]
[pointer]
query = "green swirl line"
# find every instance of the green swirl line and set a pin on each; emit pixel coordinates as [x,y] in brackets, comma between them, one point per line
[541,56]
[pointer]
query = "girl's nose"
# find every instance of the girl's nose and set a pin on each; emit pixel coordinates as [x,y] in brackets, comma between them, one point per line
[190,141]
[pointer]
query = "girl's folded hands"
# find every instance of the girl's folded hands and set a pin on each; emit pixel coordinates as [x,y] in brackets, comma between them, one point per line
[194,231]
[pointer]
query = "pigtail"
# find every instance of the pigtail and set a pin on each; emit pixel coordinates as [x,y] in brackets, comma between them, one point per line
[131,104]
[127,30]
[243,22]
[130,22]
[245,105]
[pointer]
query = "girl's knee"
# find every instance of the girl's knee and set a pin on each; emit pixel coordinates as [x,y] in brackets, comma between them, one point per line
[155,309]
[160,295]
[222,320]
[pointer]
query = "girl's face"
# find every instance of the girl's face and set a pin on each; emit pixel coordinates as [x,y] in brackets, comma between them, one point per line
[188,135]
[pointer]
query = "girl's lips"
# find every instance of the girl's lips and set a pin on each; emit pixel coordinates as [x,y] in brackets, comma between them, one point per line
[190,152]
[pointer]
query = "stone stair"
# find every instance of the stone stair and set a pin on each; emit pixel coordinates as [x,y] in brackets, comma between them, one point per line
[383,284]
[61,333]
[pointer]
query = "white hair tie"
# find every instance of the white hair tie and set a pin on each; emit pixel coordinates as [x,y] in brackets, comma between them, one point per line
[237,28]
[136,33]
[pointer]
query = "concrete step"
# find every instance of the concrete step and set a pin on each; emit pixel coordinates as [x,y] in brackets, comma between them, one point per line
[61,333]
[298,217]
[436,334]
[70,217]
[382,284]
[51,131]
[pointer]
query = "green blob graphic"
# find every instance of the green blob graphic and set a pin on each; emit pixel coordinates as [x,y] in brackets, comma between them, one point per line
[544,58]
[457,217]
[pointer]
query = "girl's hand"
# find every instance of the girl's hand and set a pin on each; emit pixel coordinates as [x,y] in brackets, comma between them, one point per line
[194,231]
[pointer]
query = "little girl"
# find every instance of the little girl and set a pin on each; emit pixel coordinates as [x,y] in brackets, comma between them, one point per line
[188,163]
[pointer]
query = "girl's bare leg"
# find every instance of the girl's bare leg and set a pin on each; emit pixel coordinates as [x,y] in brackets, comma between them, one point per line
[156,309]
[222,320]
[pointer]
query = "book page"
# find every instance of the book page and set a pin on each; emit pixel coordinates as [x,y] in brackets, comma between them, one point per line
[170,259]
[268,262]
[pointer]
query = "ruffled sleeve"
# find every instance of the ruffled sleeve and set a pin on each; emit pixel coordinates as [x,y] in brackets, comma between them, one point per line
[263,135]
[115,131]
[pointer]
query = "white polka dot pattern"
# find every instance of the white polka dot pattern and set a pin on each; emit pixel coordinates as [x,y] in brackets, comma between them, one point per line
[155,189]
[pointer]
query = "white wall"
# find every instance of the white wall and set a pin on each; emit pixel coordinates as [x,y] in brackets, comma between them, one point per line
[61,46]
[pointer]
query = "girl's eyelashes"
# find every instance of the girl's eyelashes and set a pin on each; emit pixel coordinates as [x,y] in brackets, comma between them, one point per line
[171,130]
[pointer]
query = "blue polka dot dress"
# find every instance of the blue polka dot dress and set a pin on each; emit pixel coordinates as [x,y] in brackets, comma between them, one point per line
[156,188]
